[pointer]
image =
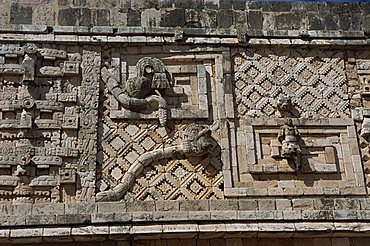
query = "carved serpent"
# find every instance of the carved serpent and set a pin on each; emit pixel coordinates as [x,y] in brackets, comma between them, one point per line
[137,93]
[197,142]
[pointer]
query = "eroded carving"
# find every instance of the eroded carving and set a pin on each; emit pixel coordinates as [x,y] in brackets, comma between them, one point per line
[196,142]
[142,91]
[39,151]
[289,137]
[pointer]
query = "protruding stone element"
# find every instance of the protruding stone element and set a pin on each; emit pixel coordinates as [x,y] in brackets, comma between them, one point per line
[29,69]
[52,54]
[141,92]
[22,191]
[288,137]
[196,142]
[284,105]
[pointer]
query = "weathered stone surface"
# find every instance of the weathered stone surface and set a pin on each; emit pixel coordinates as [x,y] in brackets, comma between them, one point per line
[20,14]
[171,109]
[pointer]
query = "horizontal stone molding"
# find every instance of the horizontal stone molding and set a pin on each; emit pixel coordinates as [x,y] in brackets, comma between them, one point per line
[188,230]
[153,35]
[243,210]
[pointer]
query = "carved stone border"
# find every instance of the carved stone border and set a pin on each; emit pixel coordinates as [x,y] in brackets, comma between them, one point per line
[352,182]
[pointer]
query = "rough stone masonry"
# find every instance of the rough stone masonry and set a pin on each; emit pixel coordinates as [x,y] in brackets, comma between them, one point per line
[184,122]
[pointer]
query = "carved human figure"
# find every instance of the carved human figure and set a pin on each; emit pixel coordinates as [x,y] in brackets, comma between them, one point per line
[141,91]
[288,137]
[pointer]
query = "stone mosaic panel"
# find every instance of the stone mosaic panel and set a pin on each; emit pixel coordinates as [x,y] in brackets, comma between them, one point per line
[314,80]
[155,140]
[315,154]
[48,124]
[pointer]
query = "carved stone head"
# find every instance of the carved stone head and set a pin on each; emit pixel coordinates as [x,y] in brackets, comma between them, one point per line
[199,140]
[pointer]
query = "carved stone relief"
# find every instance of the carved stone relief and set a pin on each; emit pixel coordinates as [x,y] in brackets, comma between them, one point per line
[360,73]
[150,146]
[289,142]
[314,80]
[42,135]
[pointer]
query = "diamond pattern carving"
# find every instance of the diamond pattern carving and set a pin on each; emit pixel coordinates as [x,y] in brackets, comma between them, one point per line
[315,80]
[126,139]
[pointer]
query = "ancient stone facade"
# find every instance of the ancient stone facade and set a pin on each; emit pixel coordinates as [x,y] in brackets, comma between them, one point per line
[184,123]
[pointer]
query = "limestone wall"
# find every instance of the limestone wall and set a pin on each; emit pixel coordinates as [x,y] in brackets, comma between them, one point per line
[217,120]
[240,14]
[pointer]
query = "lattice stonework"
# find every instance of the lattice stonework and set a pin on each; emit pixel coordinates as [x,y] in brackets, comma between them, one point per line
[127,135]
[313,79]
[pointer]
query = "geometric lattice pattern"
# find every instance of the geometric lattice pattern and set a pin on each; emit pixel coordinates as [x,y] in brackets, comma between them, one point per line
[314,80]
[123,141]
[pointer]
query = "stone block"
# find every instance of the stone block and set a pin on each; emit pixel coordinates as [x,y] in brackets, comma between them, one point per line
[364,203]
[224,215]
[223,205]
[75,17]
[167,205]
[26,232]
[102,17]
[248,204]
[133,18]
[199,215]
[317,215]
[346,204]
[20,14]
[142,216]
[80,208]
[224,18]
[13,220]
[266,204]
[90,230]
[73,219]
[247,215]
[283,204]
[292,215]
[56,232]
[41,219]
[171,216]
[323,204]
[306,203]
[173,18]
[315,22]
[345,215]
[122,217]
[277,7]
[102,218]
[255,20]
[16,210]
[266,215]
[111,207]
[194,205]
[48,209]
[363,215]
[122,230]
[139,206]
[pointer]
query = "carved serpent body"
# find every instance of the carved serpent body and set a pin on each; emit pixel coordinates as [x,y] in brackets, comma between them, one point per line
[197,142]
[137,93]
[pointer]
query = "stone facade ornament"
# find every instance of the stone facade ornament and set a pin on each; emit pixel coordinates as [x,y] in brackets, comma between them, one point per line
[289,138]
[284,105]
[141,92]
[197,141]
